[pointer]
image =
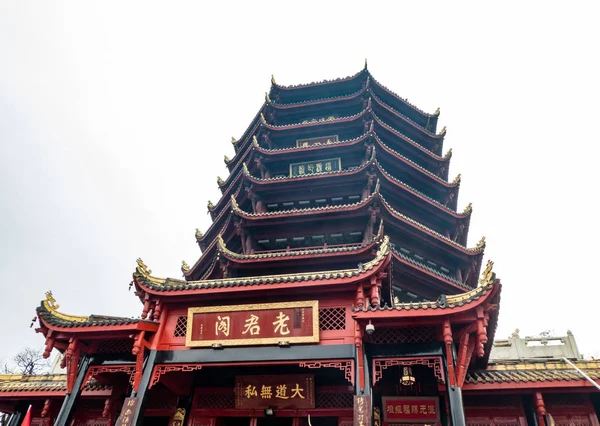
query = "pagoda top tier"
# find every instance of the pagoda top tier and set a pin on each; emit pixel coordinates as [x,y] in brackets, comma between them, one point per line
[340,88]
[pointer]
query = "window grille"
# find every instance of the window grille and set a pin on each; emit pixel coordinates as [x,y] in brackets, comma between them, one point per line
[332,319]
[404,335]
[115,346]
[180,327]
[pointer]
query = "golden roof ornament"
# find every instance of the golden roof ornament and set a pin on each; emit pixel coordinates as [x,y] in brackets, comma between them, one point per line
[142,268]
[184,266]
[443,132]
[210,205]
[487,276]
[220,181]
[234,203]
[456,180]
[52,305]
[468,209]
[262,118]
[448,154]
[199,233]
[246,168]
[437,111]
[481,244]
[273,79]
[234,140]
[267,98]
[226,159]
[221,240]
[255,141]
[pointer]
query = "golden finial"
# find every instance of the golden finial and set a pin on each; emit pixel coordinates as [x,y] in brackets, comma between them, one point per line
[233,140]
[456,180]
[481,244]
[210,205]
[468,209]
[396,300]
[267,98]
[226,159]
[487,276]
[220,181]
[262,118]
[448,154]
[221,241]
[273,79]
[443,132]
[199,233]
[246,168]
[255,141]
[52,305]
[437,111]
[184,266]
[142,268]
[234,203]
[365,63]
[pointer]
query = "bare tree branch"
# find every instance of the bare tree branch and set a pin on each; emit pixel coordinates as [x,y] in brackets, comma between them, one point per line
[30,362]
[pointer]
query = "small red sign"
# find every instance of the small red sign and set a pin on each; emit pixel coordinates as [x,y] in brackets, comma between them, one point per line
[257,324]
[411,409]
[294,391]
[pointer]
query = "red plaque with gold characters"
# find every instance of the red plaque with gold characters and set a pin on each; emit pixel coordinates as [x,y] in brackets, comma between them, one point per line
[291,391]
[411,409]
[257,324]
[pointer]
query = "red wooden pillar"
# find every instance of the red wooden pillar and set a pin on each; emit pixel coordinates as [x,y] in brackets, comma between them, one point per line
[540,408]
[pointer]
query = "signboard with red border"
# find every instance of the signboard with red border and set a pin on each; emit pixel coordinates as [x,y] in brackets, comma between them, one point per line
[415,409]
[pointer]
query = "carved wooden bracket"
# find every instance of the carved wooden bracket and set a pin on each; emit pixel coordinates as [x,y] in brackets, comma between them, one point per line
[347,366]
[46,409]
[159,370]
[447,333]
[95,370]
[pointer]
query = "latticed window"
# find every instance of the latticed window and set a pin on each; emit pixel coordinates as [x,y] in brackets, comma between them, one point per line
[180,327]
[115,346]
[404,335]
[216,400]
[334,400]
[332,319]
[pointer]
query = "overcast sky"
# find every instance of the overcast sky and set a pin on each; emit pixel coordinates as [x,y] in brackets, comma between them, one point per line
[115,116]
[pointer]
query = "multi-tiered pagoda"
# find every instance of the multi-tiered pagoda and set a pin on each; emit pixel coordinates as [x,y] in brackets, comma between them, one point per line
[335,287]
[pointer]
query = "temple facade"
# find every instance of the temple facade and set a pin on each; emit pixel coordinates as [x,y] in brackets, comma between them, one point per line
[335,287]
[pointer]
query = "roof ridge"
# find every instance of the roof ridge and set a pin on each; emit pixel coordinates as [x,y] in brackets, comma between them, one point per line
[317,100]
[417,109]
[382,253]
[407,139]
[477,249]
[316,83]
[314,123]
[384,104]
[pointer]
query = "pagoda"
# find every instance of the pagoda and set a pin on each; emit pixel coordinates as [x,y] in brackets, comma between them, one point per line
[335,287]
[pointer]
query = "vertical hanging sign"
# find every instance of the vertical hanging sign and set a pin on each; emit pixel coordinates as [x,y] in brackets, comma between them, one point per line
[127,412]
[362,410]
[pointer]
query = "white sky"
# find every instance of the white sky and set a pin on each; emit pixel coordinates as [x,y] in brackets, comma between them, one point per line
[115,116]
